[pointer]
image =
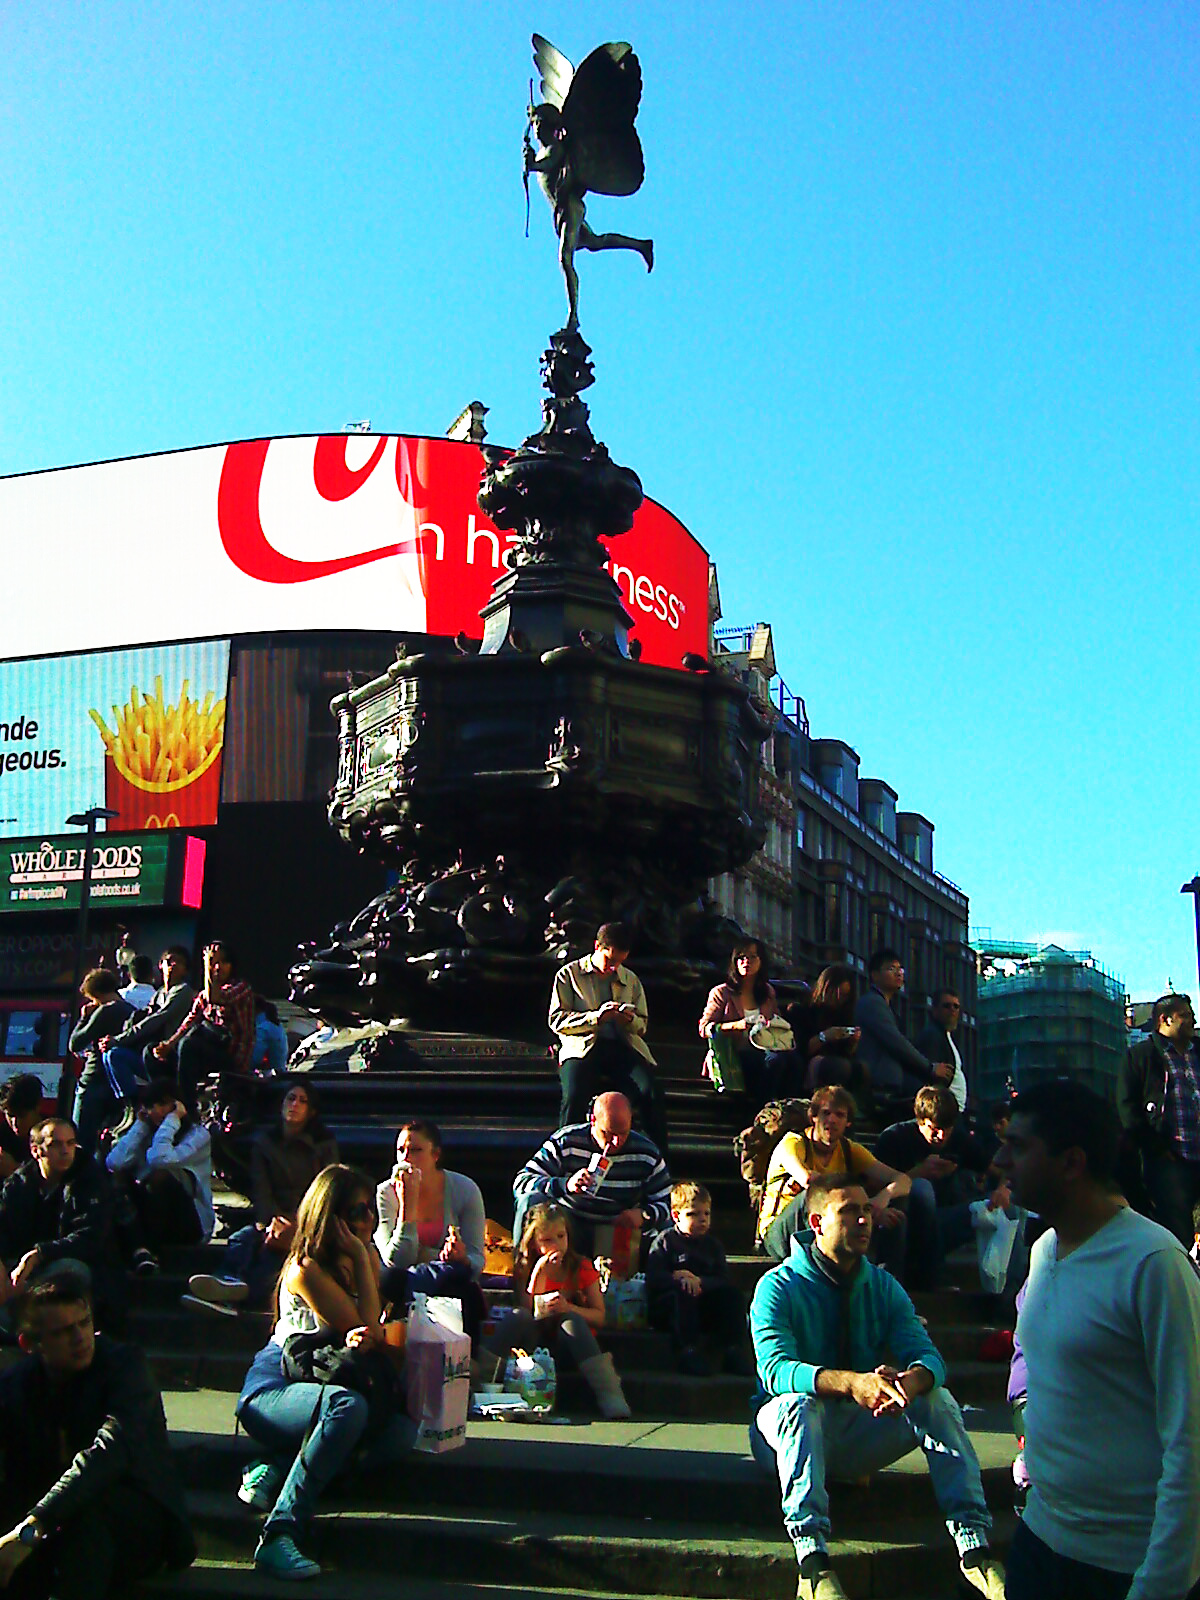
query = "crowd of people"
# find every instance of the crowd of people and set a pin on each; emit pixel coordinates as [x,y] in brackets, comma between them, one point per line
[848,1376]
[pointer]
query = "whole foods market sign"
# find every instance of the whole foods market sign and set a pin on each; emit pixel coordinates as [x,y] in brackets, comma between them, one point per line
[47,874]
[318,532]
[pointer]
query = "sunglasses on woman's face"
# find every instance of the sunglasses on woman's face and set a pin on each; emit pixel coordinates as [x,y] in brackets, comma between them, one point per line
[360,1212]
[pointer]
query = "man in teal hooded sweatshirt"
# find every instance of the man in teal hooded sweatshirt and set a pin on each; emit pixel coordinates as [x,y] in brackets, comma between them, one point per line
[849,1381]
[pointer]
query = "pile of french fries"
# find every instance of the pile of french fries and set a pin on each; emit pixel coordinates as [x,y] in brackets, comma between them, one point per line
[154,743]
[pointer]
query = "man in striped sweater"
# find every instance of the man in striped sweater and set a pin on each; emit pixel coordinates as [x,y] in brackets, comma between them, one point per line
[634,1190]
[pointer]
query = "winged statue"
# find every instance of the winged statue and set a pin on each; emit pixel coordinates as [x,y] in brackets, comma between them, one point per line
[581,138]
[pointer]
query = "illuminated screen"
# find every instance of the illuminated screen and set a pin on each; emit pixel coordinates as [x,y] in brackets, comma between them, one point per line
[47,874]
[140,732]
[362,531]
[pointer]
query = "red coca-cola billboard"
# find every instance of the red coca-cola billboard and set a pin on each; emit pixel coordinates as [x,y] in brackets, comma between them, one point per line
[343,531]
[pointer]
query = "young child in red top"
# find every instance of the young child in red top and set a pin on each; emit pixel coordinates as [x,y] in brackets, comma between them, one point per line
[560,1305]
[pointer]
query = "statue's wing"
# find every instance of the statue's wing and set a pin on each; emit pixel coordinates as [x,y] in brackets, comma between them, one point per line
[598,115]
[555,70]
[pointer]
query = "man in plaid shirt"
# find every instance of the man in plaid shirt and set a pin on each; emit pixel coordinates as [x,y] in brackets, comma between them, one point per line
[217,1035]
[1160,1108]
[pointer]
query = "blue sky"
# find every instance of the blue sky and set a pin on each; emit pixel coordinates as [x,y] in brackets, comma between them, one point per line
[917,362]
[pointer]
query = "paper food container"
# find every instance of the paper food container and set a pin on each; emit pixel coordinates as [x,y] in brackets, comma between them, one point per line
[187,802]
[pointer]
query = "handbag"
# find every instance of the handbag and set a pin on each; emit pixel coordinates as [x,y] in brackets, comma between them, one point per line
[774,1035]
[322,1358]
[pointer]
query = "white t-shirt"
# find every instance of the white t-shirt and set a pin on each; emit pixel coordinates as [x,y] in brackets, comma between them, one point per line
[1112,1415]
[958,1083]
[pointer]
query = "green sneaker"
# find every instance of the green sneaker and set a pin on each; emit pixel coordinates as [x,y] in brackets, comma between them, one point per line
[280,1558]
[261,1485]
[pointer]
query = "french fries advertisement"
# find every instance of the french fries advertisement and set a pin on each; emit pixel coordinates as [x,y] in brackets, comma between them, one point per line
[141,732]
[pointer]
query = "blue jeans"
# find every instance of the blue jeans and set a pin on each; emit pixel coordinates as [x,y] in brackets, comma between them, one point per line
[1036,1573]
[247,1257]
[801,1437]
[319,1425]
[125,1069]
[936,1231]
[1174,1188]
[94,1103]
[450,1278]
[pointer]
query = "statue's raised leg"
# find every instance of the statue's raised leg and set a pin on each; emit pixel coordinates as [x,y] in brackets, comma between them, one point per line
[588,240]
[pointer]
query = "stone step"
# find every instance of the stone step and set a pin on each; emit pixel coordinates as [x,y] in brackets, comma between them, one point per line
[604,1549]
[193,1337]
[217,1580]
[678,1472]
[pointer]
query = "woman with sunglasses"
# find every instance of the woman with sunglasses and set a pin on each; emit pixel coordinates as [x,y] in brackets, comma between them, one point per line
[307,1431]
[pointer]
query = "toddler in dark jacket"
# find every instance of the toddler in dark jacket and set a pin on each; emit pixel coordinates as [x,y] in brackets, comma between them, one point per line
[689,1292]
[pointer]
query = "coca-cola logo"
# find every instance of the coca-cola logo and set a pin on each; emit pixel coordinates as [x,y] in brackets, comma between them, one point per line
[292,511]
[239,516]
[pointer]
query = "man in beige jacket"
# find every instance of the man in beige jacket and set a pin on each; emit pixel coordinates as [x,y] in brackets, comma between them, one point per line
[598,1010]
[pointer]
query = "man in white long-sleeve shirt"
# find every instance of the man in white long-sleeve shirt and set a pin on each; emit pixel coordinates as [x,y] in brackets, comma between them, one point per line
[1110,1327]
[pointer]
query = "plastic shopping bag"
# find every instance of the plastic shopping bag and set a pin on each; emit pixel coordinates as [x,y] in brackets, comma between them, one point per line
[722,1065]
[995,1235]
[625,1301]
[437,1369]
[533,1377]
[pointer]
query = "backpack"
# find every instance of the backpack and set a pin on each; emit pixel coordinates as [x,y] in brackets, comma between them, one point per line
[753,1147]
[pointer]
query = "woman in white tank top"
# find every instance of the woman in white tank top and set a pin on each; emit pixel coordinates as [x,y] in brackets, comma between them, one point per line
[330,1280]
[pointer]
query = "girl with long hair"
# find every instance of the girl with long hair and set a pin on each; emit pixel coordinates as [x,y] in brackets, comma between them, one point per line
[826,1034]
[307,1431]
[560,1305]
[286,1157]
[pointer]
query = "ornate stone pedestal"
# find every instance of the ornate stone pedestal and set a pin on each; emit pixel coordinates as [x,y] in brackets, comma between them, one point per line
[531,791]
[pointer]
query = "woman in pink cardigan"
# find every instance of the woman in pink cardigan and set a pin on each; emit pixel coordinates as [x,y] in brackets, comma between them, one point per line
[736,1006]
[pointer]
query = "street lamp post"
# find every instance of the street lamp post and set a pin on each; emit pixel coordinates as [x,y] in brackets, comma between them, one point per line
[84,819]
[1193,888]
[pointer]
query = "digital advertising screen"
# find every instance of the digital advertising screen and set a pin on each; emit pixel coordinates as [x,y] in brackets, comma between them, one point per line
[47,874]
[140,732]
[364,531]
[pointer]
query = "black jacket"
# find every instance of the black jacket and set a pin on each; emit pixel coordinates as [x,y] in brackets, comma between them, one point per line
[673,1251]
[282,1169]
[896,1066]
[904,1146]
[1142,1095]
[84,1229]
[159,1020]
[87,1033]
[62,1447]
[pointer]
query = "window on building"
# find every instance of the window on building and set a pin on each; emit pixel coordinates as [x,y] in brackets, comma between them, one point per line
[834,911]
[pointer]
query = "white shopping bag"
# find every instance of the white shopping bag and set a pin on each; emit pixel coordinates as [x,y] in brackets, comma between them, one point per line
[437,1372]
[995,1235]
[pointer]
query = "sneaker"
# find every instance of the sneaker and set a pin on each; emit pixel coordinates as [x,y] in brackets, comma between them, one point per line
[145,1263]
[984,1576]
[693,1363]
[824,1585]
[220,1291]
[260,1486]
[197,1304]
[738,1362]
[280,1558]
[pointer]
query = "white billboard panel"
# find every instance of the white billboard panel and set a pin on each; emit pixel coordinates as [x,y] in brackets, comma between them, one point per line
[330,532]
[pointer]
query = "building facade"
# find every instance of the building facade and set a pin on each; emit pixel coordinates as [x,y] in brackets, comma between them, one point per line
[1047,1013]
[843,871]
